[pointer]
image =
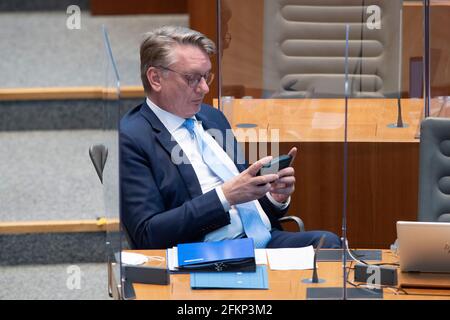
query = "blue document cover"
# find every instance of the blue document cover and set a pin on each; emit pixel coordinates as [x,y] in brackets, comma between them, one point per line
[226,255]
[231,280]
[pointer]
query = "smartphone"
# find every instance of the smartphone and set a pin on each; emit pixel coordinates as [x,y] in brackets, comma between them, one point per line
[277,164]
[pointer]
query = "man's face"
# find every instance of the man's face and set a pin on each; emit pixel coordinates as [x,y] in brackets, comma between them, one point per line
[176,95]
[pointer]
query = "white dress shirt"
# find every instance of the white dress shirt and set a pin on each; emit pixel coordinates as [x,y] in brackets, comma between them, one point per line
[207,178]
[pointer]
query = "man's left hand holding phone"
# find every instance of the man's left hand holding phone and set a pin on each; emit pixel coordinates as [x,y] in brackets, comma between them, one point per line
[284,186]
[248,186]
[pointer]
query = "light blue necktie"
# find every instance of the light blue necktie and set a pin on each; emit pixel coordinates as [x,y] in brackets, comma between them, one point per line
[251,221]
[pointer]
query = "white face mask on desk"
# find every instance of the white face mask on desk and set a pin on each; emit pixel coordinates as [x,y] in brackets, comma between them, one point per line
[135,259]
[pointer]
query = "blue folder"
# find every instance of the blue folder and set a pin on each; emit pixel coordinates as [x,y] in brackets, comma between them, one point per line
[231,280]
[226,255]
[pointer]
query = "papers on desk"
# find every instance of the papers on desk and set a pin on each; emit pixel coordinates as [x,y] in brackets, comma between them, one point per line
[172,259]
[260,256]
[291,258]
[278,259]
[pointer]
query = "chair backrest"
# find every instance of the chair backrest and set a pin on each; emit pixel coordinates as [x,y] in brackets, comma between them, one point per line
[304,48]
[434,174]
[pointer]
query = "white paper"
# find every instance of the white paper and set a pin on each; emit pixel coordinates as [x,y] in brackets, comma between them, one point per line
[172,258]
[291,258]
[260,256]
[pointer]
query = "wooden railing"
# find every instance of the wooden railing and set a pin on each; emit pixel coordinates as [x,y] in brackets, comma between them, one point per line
[59,226]
[68,93]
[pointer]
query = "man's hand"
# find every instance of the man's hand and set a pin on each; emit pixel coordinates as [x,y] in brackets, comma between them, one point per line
[282,188]
[247,186]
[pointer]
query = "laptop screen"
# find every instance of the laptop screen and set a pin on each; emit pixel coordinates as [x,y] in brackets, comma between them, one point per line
[424,246]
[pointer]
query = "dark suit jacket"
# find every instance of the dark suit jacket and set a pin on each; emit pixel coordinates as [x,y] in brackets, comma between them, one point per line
[162,204]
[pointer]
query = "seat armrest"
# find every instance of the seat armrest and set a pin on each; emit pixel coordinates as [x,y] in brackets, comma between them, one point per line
[297,220]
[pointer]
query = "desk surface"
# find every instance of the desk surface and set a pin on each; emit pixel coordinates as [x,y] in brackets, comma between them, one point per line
[324,119]
[285,285]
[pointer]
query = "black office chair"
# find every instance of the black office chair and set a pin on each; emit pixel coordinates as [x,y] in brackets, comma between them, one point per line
[434,174]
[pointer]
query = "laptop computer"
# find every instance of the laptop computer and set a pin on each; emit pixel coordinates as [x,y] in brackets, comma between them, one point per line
[424,246]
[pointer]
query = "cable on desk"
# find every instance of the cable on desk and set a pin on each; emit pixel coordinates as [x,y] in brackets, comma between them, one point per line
[156,258]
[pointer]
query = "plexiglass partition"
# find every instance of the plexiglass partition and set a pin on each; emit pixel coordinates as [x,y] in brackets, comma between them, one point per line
[111,116]
[382,137]
[386,149]
[284,83]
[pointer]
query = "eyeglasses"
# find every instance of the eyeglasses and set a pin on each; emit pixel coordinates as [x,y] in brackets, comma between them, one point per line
[193,80]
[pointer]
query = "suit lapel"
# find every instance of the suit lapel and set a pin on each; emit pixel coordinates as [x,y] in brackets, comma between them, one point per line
[168,143]
[206,123]
[210,124]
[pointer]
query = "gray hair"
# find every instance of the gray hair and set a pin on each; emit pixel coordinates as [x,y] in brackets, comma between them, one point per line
[157,47]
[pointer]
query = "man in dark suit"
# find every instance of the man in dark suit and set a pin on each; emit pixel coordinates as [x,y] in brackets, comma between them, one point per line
[178,183]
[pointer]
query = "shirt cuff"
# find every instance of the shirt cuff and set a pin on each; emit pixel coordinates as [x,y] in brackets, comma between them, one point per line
[279,205]
[223,200]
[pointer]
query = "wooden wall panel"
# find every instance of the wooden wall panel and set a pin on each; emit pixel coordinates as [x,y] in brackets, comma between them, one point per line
[382,188]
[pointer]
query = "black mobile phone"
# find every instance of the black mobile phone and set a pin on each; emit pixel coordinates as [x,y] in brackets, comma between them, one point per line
[277,164]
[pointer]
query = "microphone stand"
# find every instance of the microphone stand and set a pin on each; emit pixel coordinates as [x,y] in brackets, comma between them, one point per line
[399,117]
[400,123]
[315,277]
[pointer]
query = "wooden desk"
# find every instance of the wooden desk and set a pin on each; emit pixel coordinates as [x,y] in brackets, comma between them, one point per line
[383,163]
[284,285]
